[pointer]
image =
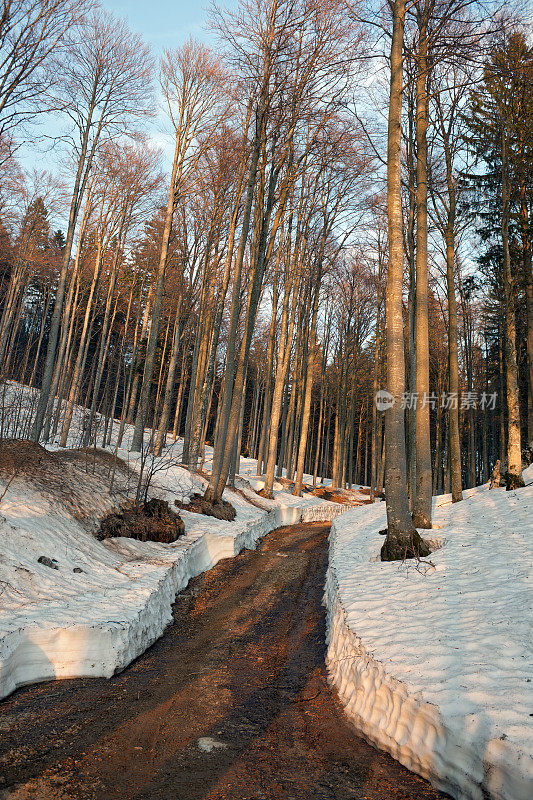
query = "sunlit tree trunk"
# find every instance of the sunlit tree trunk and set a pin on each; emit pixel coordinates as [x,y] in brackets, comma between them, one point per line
[423,494]
[151,345]
[401,534]
[514,450]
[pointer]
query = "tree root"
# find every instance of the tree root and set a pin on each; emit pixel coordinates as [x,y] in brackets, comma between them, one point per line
[400,547]
[513,481]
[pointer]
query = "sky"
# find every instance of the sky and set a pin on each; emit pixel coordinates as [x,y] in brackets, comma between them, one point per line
[164,23]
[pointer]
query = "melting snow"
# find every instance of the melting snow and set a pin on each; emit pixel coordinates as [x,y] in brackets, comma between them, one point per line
[434,663]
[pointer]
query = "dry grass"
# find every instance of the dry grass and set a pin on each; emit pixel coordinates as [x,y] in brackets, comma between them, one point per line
[77,479]
[221,509]
[344,497]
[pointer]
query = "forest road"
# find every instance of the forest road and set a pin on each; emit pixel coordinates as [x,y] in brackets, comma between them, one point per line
[231,703]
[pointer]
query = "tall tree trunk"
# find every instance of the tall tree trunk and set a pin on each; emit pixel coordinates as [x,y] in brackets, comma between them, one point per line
[502,383]
[377,371]
[528,276]
[288,315]
[266,418]
[311,355]
[82,350]
[264,250]
[423,495]
[80,182]
[453,359]
[151,346]
[181,391]
[402,538]
[212,491]
[169,386]
[200,418]
[105,335]
[514,450]
[411,305]
[46,306]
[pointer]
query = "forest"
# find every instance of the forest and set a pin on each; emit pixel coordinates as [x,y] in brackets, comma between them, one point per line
[328,270]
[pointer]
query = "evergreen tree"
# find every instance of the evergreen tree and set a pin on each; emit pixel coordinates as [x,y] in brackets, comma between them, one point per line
[500,122]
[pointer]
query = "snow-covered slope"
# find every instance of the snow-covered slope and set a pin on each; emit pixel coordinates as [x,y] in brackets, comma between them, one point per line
[435,663]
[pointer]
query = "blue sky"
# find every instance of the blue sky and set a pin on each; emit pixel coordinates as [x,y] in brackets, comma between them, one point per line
[164,23]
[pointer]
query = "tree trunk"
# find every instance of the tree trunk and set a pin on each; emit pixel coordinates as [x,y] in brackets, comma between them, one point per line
[514,451]
[212,490]
[169,386]
[377,370]
[311,354]
[151,347]
[453,360]
[423,494]
[53,336]
[402,538]
[528,276]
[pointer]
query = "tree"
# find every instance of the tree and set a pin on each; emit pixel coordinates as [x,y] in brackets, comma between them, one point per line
[402,538]
[295,61]
[125,178]
[42,195]
[451,84]
[495,128]
[194,87]
[105,87]
[423,494]
[33,41]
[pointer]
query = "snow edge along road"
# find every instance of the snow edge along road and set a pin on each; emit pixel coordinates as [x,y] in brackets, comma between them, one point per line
[376,662]
[121,628]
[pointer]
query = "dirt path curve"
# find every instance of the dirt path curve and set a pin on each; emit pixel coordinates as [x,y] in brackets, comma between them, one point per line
[232,703]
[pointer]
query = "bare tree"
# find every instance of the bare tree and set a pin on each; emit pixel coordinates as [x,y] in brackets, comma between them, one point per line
[194,87]
[105,88]
[450,86]
[402,538]
[33,41]
[296,80]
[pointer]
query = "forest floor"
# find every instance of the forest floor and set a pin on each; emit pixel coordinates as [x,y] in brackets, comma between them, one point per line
[232,702]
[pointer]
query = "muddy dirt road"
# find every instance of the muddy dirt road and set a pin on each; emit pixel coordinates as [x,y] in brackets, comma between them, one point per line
[232,703]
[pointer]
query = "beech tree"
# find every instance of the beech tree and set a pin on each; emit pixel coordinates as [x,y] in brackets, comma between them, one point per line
[35,35]
[125,177]
[105,87]
[451,84]
[194,87]
[402,537]
[292,54]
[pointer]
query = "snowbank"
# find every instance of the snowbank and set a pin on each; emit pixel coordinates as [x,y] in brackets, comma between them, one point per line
[106,602]
[434,664]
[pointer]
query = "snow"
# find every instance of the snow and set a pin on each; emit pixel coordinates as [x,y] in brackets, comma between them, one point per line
[57,623]
[207,745]
[434,663]
[431,661]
